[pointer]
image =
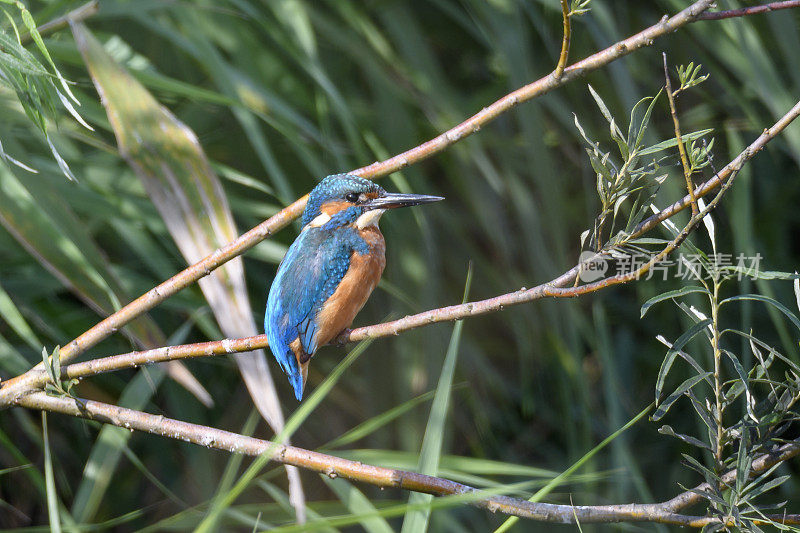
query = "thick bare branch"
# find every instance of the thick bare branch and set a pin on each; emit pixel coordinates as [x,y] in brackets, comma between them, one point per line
[382,477]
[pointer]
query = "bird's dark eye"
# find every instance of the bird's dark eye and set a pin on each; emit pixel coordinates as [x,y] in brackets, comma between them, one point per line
[352,197]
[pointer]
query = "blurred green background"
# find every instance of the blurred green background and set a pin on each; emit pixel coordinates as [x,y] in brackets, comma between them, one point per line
[283,93]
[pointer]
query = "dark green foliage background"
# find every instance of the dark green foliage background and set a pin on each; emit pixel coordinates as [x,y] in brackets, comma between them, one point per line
[285,104]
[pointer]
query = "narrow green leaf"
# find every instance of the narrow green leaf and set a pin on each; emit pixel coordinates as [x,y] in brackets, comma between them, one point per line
[688,439]
[358,505]
[615,131]
[645,121]
[767,300]
[709,477]
[50,480]
[14,469]
[769,485]
[772,351]
[743,379]
[373,424]
[677,293]
[677,346]
[762,478]
[456,465]
[703,413]
[671,143]
[168,158]
[12,316]
[11,361]
[755,273]
[432,442]
[664,406]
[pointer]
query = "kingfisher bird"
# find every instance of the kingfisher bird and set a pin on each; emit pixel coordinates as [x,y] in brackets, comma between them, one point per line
[330,270]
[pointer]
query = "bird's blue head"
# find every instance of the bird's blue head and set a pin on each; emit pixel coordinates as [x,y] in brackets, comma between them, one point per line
[341,199]
[340,193]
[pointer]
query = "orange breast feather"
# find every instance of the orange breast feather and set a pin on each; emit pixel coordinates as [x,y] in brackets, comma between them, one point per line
[352,293]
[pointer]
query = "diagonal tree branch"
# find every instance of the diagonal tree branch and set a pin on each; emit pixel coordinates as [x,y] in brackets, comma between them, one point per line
[246,241]
[559,287]
[332,466]
[538,88]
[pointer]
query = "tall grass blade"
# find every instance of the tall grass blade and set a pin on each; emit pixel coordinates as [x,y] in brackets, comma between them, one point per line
[544,491]
[167,157]
[50,480]
[11,314]
[358,505]
[432,443]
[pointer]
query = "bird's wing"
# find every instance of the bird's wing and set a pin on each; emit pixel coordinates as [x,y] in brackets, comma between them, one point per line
[336,262]
[308,275]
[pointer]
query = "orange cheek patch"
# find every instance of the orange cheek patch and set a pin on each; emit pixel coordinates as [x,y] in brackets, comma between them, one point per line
[331,208]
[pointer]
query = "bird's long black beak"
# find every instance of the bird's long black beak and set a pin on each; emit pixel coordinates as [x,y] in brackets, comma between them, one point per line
[392,200]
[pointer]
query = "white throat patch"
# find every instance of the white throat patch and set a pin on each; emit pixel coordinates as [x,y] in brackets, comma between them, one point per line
[320,220]
[370,218]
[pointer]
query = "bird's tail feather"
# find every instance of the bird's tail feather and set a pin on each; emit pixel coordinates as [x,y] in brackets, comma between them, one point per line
[298,380]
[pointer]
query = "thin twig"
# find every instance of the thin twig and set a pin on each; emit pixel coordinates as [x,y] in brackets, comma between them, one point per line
[374,475]
[564,56]
[747,11]
[687,171]
[80,13]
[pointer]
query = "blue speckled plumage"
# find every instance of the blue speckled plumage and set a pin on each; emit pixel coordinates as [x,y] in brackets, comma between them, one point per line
[316,264]
[334,187]
[293,304]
